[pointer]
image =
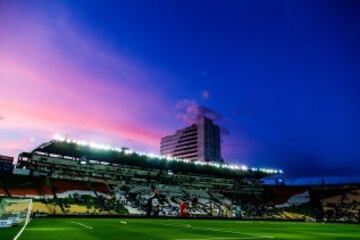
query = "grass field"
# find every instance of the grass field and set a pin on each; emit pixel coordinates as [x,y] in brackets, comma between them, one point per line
[148,229]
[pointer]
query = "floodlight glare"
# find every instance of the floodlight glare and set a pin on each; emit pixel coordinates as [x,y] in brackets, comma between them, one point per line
[94,145]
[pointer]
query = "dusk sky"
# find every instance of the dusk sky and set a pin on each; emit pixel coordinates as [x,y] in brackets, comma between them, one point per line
[281,78]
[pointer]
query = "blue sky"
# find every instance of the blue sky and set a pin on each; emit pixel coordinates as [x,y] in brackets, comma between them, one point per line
[283,75]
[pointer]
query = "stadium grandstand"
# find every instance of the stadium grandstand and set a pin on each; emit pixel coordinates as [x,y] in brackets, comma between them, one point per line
[6,163]
[69,177]
[138,182]
[68,171]
[80,183]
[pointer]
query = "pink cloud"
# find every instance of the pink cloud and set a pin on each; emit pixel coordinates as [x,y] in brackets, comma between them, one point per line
[58,78]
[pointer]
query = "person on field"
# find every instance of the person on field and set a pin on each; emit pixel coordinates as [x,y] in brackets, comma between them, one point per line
[183,211]
[156,206]
[211,210]
[238,212]
[149,207]
[153,205]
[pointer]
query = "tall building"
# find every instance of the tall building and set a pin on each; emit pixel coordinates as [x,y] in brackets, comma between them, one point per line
[200,141]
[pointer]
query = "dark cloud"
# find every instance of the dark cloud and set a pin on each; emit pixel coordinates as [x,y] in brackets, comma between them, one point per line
[190,111]
[2,117]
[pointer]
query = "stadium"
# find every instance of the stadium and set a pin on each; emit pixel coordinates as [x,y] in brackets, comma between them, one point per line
[89,190]
[179,120]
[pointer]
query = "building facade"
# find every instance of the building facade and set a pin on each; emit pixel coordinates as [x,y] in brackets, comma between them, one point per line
[200,141]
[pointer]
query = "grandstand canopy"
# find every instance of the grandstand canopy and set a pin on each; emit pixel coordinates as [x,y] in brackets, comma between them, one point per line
[87,152]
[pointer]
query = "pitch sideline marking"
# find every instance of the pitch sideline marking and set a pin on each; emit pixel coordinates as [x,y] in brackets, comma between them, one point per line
[255,236]
[49,228]
[27,220]
[83,225]
[21,230]
[123,222]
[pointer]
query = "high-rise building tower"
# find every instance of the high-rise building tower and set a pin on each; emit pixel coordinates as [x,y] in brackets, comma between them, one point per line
[200,141]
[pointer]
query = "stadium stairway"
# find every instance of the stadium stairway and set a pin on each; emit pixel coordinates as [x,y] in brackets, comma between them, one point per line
[213,198]
[315,201]
[58,200]
[7,191]
[3,189]
[186,195]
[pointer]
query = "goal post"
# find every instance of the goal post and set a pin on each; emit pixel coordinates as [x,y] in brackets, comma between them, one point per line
[15,212]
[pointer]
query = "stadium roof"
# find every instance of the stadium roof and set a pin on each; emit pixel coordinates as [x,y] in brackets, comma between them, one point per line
[124,156]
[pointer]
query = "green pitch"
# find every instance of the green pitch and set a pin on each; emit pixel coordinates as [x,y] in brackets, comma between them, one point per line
[172,229]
